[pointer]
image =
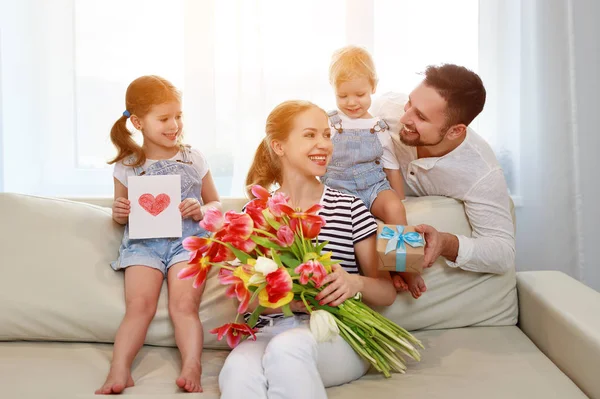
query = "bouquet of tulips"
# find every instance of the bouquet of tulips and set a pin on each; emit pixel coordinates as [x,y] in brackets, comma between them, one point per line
[270,253]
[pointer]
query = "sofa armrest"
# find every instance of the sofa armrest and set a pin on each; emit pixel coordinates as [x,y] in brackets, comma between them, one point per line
[562,317]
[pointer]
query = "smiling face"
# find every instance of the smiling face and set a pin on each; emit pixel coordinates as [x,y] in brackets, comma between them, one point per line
[353,97]
[424,118]
[162,126]
[308,147]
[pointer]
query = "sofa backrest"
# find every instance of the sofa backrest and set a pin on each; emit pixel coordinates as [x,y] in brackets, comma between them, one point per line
[57,284]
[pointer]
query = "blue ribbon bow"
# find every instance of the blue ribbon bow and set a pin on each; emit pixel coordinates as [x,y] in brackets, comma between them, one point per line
[396,242]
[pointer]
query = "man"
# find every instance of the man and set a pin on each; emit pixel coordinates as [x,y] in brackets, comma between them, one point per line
[438,155]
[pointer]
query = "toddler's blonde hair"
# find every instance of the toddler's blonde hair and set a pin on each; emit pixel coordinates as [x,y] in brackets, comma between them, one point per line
[349,63]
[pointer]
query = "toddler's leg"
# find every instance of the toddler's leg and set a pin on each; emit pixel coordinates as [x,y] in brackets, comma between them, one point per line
[290,364]
[184,303]
[142,287]
[389,208]
[242,375]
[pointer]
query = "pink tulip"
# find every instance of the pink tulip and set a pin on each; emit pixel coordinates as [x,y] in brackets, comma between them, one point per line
[285,236]
[213,220]
[279,284]
[260,192]
[311,270]
[234,332]
[274,202]
[237,288]
[239,225]
[199,270]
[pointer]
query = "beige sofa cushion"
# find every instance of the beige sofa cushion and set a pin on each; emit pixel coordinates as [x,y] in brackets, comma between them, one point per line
[454,297]
[489,362]
[57,283]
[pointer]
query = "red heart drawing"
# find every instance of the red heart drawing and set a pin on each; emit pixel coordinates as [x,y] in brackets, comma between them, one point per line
[152,205]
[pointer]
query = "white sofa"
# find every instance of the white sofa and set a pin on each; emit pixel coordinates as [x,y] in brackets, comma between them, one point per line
[61,303]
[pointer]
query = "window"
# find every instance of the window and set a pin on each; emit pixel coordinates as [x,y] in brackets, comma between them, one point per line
[234,60]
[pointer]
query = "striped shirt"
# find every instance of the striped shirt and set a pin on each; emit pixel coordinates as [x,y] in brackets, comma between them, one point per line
[347,221]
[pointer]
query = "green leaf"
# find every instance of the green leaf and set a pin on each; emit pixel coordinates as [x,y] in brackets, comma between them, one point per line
[265,242]
[276,258]
[290,261]
[241,255]
[287,310]
[254,318]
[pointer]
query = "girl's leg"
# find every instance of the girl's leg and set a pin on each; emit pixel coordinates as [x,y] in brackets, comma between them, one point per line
[242,375]
[142,288]
[290,366]
[389,208]
[184,303]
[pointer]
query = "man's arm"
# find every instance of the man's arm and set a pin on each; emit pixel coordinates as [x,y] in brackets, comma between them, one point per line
[491,247]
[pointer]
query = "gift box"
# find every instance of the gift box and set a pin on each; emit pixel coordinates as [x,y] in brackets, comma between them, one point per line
[400,248]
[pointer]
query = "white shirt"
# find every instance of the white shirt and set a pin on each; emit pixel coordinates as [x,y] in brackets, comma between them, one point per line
[388,160]
[122,171]
[469,173]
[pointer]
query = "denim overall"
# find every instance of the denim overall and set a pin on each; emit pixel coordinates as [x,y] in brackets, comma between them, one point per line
[355,166]
[162,253]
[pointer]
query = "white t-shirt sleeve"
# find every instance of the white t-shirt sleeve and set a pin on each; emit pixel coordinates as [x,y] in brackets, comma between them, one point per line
[199,162]
[388,159]
[121,172]
[491,247]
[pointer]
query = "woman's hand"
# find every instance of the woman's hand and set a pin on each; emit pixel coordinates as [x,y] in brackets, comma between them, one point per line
[190,207]
[121,209]
[342,286]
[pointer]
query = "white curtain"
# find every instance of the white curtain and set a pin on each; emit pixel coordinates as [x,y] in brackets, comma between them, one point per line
[540,62]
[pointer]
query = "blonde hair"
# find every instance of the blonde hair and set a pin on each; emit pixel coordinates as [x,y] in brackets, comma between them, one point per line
[142,94]
[349,63]
[266,166]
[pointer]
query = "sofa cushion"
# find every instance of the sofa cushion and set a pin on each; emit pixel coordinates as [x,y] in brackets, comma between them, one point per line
[57,283]
[454,297]
[489,362]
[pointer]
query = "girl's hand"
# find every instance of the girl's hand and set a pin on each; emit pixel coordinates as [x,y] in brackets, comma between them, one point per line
[121,208]
[190,207]
[342,286]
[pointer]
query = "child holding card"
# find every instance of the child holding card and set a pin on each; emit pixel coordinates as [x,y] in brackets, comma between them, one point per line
[154,107]
[364,163]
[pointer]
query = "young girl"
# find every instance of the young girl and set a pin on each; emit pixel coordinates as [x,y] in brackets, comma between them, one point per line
[285,361]
[154,107]
[364,163]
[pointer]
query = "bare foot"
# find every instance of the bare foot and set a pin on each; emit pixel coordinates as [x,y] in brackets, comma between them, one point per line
[399,282]
[189,379]
[415,283]
[116,382]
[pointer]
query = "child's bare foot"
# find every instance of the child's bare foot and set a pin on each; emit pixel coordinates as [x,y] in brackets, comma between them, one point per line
[189,379]
[399,282]
[415,283]
[116,382]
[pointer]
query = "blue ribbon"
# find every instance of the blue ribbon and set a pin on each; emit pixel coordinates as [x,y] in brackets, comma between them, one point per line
[396,242]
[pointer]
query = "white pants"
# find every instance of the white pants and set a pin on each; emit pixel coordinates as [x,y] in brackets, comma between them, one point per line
[286,361]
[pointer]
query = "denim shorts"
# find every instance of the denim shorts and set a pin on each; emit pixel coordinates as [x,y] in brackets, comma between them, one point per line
[157,253]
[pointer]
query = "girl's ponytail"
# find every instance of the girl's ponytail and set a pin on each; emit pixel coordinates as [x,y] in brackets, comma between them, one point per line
[122,138]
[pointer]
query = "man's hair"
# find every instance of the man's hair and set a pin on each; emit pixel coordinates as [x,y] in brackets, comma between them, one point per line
[461,88]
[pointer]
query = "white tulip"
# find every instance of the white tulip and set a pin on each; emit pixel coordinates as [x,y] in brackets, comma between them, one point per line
[323,326]
[265,265]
